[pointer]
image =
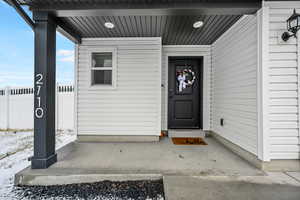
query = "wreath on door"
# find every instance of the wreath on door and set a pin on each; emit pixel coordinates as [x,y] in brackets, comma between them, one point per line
[185,78]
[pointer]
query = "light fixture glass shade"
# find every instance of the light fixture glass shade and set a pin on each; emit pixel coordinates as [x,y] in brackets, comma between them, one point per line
[109,25]
[293,22]
[198,24]
[293,25]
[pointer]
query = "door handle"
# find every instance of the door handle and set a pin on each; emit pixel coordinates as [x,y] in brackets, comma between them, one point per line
[171,93]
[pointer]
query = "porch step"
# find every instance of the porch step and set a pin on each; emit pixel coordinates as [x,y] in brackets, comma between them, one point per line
[186,133]
[50,176]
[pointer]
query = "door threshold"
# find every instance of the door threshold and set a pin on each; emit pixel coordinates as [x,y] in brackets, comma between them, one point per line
[186,133]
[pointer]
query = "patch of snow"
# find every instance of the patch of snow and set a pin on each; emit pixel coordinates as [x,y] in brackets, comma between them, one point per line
[15,149]
[10,141]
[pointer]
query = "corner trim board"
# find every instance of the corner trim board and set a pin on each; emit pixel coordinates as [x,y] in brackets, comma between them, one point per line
[298,73]
[264,153]
[76,89]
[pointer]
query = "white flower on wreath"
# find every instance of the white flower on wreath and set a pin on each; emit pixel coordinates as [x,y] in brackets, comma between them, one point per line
[182,79]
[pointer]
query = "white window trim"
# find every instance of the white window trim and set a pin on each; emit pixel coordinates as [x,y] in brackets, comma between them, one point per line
[114,68]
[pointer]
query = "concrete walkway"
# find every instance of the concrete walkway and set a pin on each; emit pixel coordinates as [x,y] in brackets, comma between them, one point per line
[275,186]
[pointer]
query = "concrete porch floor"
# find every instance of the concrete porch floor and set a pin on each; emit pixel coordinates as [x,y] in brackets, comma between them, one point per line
[90,162]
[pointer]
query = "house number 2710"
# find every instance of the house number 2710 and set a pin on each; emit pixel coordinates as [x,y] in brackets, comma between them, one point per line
[39,111]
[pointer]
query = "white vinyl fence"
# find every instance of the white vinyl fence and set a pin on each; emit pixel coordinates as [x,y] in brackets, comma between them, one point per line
[16,108]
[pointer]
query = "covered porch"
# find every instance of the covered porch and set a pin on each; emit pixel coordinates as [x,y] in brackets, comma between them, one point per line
[140,34]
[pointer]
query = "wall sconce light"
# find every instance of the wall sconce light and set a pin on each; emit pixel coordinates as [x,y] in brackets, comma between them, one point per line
[293,25]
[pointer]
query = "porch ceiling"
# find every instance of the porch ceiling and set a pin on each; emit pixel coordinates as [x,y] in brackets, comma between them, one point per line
[170,19]
[174,30]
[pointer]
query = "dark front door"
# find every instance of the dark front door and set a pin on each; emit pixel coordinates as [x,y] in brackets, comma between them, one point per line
[185,89]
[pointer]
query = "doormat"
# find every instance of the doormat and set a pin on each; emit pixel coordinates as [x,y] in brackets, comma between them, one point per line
[188,141]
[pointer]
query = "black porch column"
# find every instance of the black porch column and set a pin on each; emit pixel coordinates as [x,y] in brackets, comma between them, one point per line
[44,91]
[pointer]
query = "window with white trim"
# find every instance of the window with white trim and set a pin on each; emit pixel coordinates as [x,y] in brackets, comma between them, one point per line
[102,68]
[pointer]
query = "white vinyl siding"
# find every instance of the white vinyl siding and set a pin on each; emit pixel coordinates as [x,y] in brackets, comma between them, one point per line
[187,50]
[234,84]
[283,83]
[133,106]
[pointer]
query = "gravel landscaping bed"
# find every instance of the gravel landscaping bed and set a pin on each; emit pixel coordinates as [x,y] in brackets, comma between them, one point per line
[106,190]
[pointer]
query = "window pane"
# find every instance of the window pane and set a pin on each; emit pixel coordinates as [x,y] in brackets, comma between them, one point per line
[102,77]
[102,59]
